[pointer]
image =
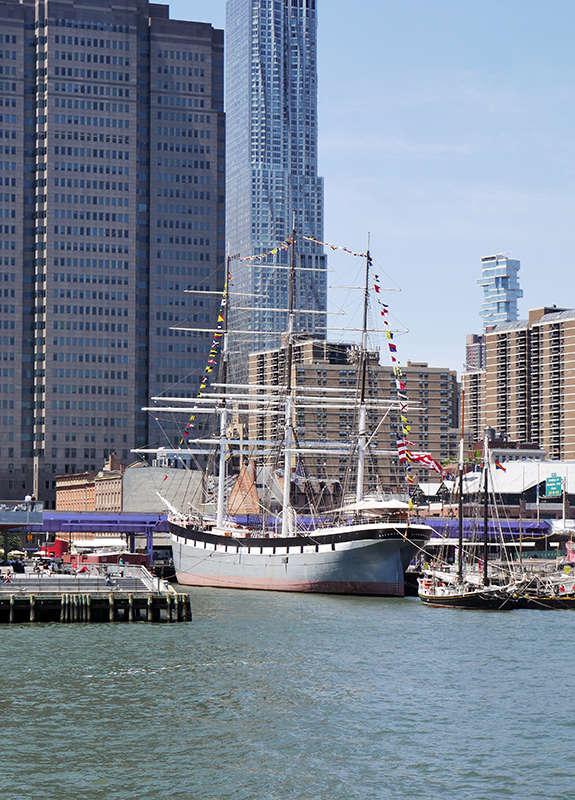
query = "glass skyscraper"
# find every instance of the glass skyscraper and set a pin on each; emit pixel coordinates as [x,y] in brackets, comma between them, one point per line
[500,282]
[271,167]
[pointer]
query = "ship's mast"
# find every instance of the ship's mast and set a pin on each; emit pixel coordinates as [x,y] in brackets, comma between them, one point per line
[485,510]
[362,422]
[223,410]
[287,514]
[460,514]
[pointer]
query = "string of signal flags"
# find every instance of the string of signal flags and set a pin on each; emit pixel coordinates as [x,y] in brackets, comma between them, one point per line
[406,455]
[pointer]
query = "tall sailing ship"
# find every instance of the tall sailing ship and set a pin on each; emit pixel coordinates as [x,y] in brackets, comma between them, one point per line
[362,548]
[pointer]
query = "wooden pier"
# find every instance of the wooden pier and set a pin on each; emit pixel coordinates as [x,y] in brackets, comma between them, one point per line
[136,597]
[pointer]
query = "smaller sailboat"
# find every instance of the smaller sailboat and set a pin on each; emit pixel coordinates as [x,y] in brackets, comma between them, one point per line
[473,584]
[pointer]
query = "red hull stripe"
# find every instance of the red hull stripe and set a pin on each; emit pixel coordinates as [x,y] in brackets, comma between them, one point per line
[379,589]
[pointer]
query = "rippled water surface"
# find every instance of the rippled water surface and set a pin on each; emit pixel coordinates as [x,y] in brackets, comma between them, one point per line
[285,696]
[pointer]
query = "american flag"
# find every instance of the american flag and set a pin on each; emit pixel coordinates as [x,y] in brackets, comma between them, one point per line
[402,449]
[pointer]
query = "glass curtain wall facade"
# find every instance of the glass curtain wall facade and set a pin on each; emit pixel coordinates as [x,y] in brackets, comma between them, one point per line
[272,180]
[112,206]
[500,282]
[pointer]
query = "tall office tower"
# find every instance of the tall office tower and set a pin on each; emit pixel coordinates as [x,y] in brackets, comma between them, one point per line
[272,168]
[500,290]
[111,199]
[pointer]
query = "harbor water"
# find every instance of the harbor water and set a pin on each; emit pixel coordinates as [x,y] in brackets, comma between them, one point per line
[269,696]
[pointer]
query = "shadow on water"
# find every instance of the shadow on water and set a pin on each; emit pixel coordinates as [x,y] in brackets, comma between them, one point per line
[286,696]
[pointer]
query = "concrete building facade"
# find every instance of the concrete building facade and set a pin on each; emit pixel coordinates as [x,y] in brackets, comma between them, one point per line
[112,205]
[527,392]
[433,414]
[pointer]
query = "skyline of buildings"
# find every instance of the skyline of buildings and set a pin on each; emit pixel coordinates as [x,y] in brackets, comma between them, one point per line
[113,195]
[272,179]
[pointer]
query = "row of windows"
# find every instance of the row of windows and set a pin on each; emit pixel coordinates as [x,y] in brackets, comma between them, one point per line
[82,136]
[86,405]
[180,55]
[119,61]
[121,155]
[177,162]
[189,71]
[102,122]
[88,357]
[87,184]
[110,390]
[176,116]
[198,179]
[7,181]
[178,364]
[190,87]
[62,214]
[81,88]
[177,209]
[90,262]
[8,71]
[86,373]
[8,54]
[7,212]
[91,26]
[74,325]
[191,102]
[170,177]
[70,230]
[196,210]
[79,342]
[87,247]
[8,150]
[181,301]
[95,311]
[94,200]
[8,38]
[89,295]
[8,118]
[193,271]
[181,348]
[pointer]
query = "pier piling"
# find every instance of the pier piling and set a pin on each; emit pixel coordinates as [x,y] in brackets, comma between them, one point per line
[136,596]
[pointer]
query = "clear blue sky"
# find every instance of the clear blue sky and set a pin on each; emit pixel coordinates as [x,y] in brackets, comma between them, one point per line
[447,130]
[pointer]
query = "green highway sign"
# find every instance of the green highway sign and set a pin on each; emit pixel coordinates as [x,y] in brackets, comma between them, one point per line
[554,486]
